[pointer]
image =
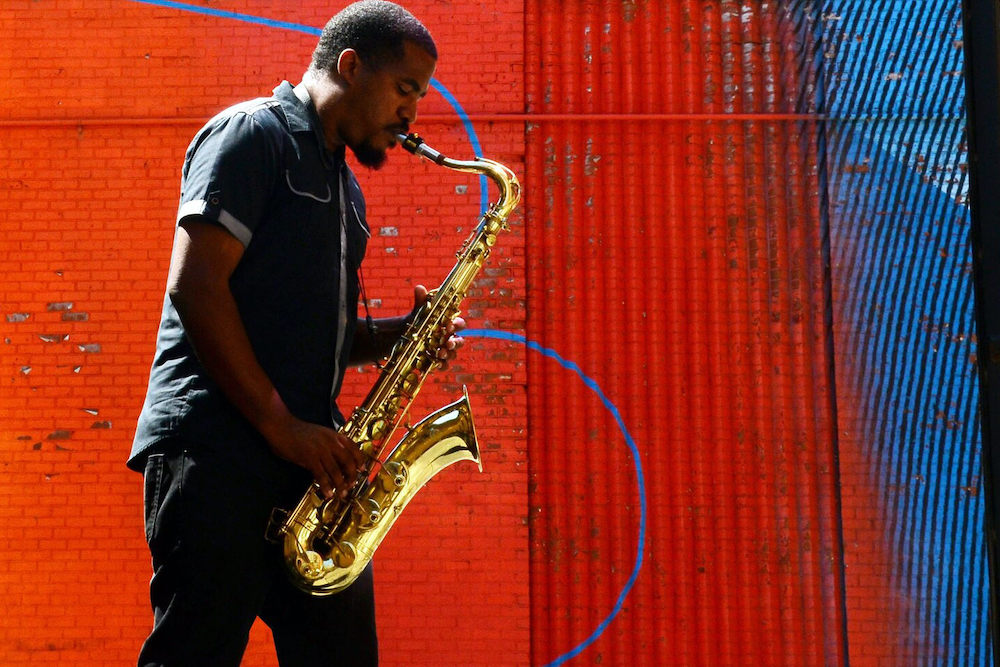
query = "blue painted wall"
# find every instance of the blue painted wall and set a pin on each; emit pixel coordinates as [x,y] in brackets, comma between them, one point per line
[903,311]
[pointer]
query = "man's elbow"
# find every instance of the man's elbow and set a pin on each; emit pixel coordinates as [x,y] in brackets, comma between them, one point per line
[205,256]
[179,295]
[188,292]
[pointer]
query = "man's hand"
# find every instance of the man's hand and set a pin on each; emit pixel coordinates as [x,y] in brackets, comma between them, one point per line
[332,458]
[451,342]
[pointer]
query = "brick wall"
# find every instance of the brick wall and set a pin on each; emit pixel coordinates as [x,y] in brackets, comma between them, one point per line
[99,101]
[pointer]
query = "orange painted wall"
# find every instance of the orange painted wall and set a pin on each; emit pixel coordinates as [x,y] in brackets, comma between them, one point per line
[98,101]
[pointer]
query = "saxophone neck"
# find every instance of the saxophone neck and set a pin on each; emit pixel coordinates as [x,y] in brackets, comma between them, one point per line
[507,184]
[506,181]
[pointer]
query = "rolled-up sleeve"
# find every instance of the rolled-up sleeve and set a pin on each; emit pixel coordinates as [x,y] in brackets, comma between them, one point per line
[228,174]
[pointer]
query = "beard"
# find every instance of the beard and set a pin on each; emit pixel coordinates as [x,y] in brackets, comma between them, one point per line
[368,155]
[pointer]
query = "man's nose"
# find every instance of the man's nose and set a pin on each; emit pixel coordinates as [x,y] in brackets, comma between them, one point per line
[408,112]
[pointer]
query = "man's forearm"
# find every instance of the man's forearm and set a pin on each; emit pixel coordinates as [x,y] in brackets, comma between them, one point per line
[215,329]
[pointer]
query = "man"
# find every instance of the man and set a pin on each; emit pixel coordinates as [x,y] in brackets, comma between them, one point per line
[259,323]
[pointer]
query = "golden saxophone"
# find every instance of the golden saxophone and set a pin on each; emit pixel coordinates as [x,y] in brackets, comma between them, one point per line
[328,543]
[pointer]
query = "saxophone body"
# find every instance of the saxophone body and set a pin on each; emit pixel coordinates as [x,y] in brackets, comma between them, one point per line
[328,543]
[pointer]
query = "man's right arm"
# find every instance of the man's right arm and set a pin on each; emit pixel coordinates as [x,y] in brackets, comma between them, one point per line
[204,258]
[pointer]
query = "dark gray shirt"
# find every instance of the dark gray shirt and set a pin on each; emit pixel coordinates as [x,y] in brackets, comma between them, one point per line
[261,170]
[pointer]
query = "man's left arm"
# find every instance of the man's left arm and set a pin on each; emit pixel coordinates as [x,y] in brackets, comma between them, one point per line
[365,350]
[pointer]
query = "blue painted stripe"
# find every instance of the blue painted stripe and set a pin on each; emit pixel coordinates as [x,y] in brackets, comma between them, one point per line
[473,139]
[247,18]
[640,479]
[310,30]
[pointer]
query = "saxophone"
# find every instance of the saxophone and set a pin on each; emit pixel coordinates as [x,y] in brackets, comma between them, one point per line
[328,543]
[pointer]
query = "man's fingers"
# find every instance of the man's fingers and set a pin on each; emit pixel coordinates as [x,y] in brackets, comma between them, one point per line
[354,451]
[450,348]
[451,341]
[345,454]
[332,458]
[322,477]
[331,468]
[419,295]
[325,488]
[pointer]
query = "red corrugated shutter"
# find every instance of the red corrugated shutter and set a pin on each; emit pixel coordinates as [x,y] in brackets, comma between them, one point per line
[675,252]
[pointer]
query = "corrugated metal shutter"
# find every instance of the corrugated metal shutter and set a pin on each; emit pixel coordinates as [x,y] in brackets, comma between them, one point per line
[676,253]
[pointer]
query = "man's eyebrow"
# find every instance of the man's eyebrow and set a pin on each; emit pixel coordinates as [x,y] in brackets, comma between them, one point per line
[414,84]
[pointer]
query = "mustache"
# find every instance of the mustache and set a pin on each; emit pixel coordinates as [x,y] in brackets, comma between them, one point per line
[399,129]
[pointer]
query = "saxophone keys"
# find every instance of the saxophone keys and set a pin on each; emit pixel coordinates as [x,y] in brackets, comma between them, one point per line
[344,554]
[329,511]
[377,430]
[393,475]
[392,407]
[309,565]
[276,525]
[367,514]
[411,382]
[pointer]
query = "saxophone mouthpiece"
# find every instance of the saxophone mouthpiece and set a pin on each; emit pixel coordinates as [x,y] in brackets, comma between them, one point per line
[414,144]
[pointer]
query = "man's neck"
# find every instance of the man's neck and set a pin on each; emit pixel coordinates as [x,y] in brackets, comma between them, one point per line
[326,94]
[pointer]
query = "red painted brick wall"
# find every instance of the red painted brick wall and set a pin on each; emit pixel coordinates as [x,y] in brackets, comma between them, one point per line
[98,100]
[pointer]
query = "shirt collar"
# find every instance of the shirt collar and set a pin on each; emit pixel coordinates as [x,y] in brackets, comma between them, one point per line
[303,117]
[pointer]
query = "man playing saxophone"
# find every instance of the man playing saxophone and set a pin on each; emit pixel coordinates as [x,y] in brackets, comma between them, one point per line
[259,324]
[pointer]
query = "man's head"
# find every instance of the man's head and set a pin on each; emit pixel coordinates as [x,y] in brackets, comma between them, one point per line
[381,59]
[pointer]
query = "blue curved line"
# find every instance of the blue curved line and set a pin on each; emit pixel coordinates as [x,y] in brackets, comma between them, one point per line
[247,18]
[473,138]
[310,30]
[569,365]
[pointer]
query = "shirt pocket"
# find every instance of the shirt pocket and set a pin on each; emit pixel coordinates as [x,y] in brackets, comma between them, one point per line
[307,233]
[310,186]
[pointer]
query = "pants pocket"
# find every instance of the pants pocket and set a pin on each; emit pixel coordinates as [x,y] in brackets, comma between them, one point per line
[154,489]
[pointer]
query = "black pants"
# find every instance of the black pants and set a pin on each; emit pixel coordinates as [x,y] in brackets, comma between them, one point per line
[214,574]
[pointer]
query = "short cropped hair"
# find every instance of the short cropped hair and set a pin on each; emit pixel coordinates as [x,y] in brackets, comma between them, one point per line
[376,30]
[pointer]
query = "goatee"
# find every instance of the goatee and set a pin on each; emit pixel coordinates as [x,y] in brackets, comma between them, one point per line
[369,156]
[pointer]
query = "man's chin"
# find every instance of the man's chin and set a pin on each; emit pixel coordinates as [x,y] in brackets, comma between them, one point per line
[371,157]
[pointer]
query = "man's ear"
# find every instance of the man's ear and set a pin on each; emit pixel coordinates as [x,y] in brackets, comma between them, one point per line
[349,65]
